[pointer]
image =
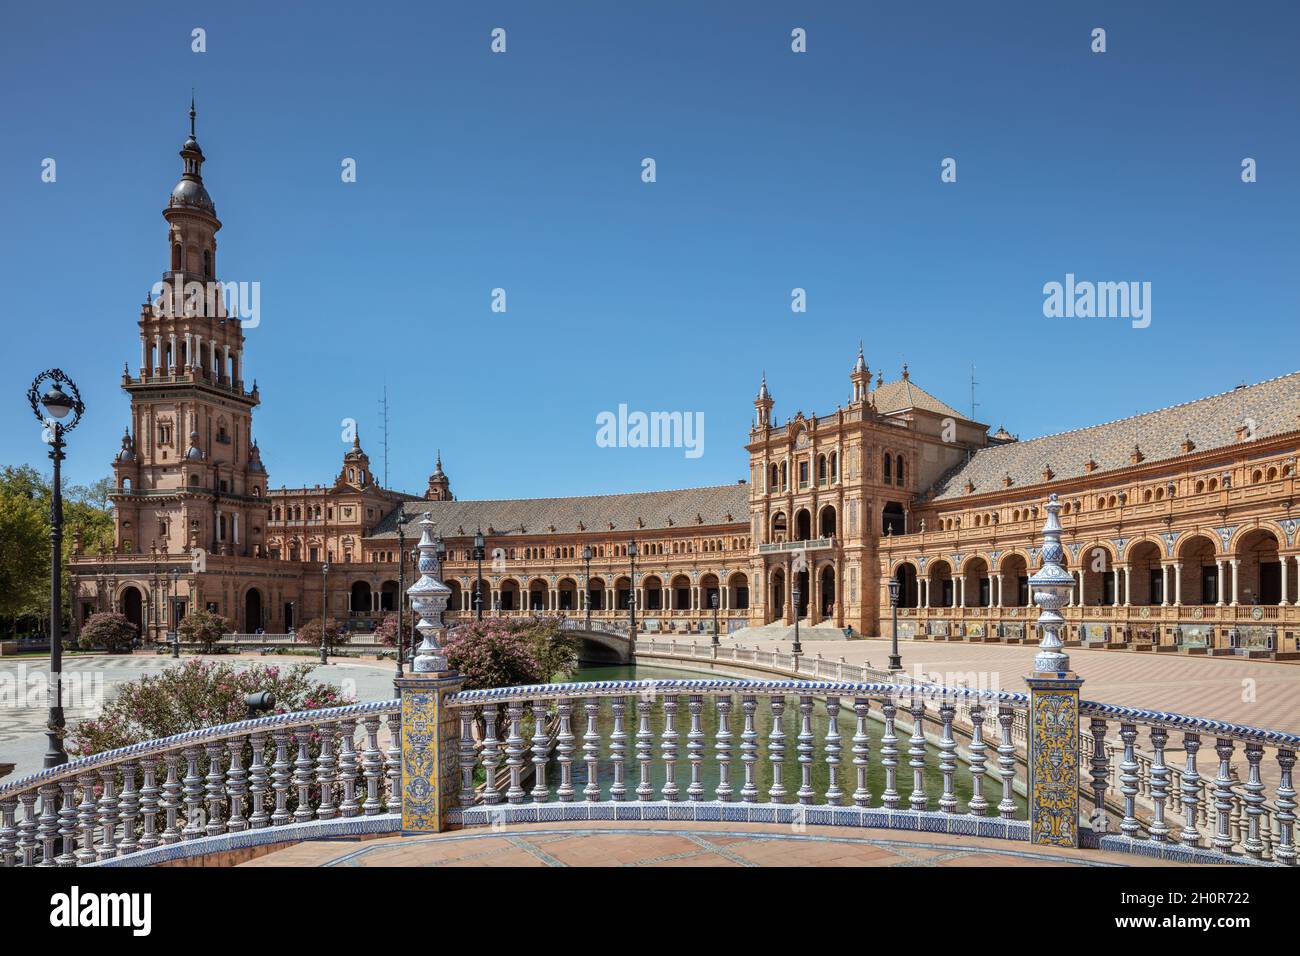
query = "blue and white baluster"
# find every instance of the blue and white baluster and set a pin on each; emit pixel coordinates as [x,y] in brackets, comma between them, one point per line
[171,803]
[1223,796]
[1006,763]
[916,754]
[834,795]
[776,751]
[216,789]
[541,752]
[1191,790]
[618,750]
[669,748]
[1100,773]
[468,756]
[978,804]
[565,745]
[1254,800]
[889,754]
[644,745]
[861,751]
[193,787]
[591,749]
[302,775]
[723,748]
[259,782]
[372,767]
[1159,829]
[1128,781]
[515,751]
[749,748]
[280,778]
[491,756]
[806,750]
[130,808]
[236,785]
[1285,851]
[695,748]
[947,757]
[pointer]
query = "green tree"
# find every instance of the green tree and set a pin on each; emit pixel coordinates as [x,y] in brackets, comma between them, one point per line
[204,628]
[109,630]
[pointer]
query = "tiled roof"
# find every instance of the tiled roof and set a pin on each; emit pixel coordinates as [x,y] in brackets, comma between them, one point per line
[1267,408]
[904,393]
[720,504]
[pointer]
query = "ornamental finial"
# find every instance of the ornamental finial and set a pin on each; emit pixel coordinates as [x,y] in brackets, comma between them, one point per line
[1052,585]
[429,598]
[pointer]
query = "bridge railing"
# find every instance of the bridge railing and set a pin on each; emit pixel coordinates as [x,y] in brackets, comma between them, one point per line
[268,774]
[798,752]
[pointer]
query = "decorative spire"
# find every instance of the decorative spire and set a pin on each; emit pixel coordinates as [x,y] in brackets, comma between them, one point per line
[1052,585]
[861,364]
[192,113]
[429,598]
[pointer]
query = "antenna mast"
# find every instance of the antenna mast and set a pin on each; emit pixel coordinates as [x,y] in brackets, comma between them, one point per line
[383,415]
[973,383]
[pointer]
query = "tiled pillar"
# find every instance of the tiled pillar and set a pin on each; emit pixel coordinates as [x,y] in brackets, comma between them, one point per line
[430,750]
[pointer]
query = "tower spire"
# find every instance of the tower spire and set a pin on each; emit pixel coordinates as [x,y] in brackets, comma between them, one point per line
[192,113]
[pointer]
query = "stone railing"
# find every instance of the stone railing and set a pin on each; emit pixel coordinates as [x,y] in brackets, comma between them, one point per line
[840,752]
[267,780]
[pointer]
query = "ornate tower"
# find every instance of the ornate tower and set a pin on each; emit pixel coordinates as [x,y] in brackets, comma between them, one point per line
[860,377]
[356,467]
[763,406]
[439,484]
[189,474]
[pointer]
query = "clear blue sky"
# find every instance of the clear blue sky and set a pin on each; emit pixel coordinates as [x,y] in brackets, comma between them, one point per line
[775,170]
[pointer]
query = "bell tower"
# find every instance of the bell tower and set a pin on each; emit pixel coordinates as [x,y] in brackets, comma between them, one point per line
[189,474]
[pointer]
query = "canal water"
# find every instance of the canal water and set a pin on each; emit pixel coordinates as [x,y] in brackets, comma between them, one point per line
[791,774]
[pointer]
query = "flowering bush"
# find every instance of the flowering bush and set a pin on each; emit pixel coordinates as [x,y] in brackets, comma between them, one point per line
[204,628]
[109,630]
[498,652]
[309,633]
[386,632]
[199,693]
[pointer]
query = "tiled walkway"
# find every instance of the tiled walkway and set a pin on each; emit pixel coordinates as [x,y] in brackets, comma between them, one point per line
[684,844]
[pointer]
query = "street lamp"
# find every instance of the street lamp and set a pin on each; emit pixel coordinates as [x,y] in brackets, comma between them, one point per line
[798,596]
[895,662]
[714,602]
[402,519]
[478,579]
[325,610]
[631,598]
[57,404]
[586,581]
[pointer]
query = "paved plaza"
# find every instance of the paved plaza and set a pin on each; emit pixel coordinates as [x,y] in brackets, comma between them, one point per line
[684,844]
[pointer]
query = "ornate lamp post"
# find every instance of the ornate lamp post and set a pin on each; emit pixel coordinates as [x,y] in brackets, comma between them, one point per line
[714,602]
[586,581]
[175,603]
[57,404]
[402,519]
[325,610]
[797,594]
[631,598]
[895,662]
[478,579]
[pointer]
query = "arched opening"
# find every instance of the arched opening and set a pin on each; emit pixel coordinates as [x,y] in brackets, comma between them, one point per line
[1147,584]
[738,586]
[776,600]
[568,595]
[908,586]
[252,611]
[802,593]
[456,600]
[509,595]
[828,522]
[652,593]
[1259,572]
[596,594]
[900,470]
[1198,572]
[826,594]
[480,593]
[133,607]
[887,469]
[976,587]
[537,595]
[1013,582]
[359,598]
[681,593]
[622,594]
[939,584]
[388,596]
[893,520]
[802,525]
[709,590]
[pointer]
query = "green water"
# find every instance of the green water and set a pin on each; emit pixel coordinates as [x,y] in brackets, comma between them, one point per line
[791,772]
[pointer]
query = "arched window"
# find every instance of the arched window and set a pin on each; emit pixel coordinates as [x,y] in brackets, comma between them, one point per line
[821,467]
[899,468]
[176,257]
[207,262]
[835,466]
[888,467]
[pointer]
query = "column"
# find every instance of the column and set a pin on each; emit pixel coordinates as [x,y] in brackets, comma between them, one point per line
[1128,585]
[237,373]
[173,364]
[234,518]
[1164,585]
[157,355]
[198,346]
[1118,571]
[1029,596]
[1235,565]
[225,366]
[189,350]
[219,536]
[961,591]
[1283,561]
[1178,585]
[1220,582]
[1083,600]
[144,354]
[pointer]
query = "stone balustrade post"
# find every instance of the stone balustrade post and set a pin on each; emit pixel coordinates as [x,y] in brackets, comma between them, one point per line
[1053,739]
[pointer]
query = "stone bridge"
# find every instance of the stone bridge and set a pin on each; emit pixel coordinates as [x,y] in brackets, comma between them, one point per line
[599,642]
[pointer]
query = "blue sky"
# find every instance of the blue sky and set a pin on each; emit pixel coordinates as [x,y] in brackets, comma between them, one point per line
[775,171]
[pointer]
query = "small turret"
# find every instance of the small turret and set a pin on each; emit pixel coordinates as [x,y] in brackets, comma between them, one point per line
[763,405]
[439,484]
